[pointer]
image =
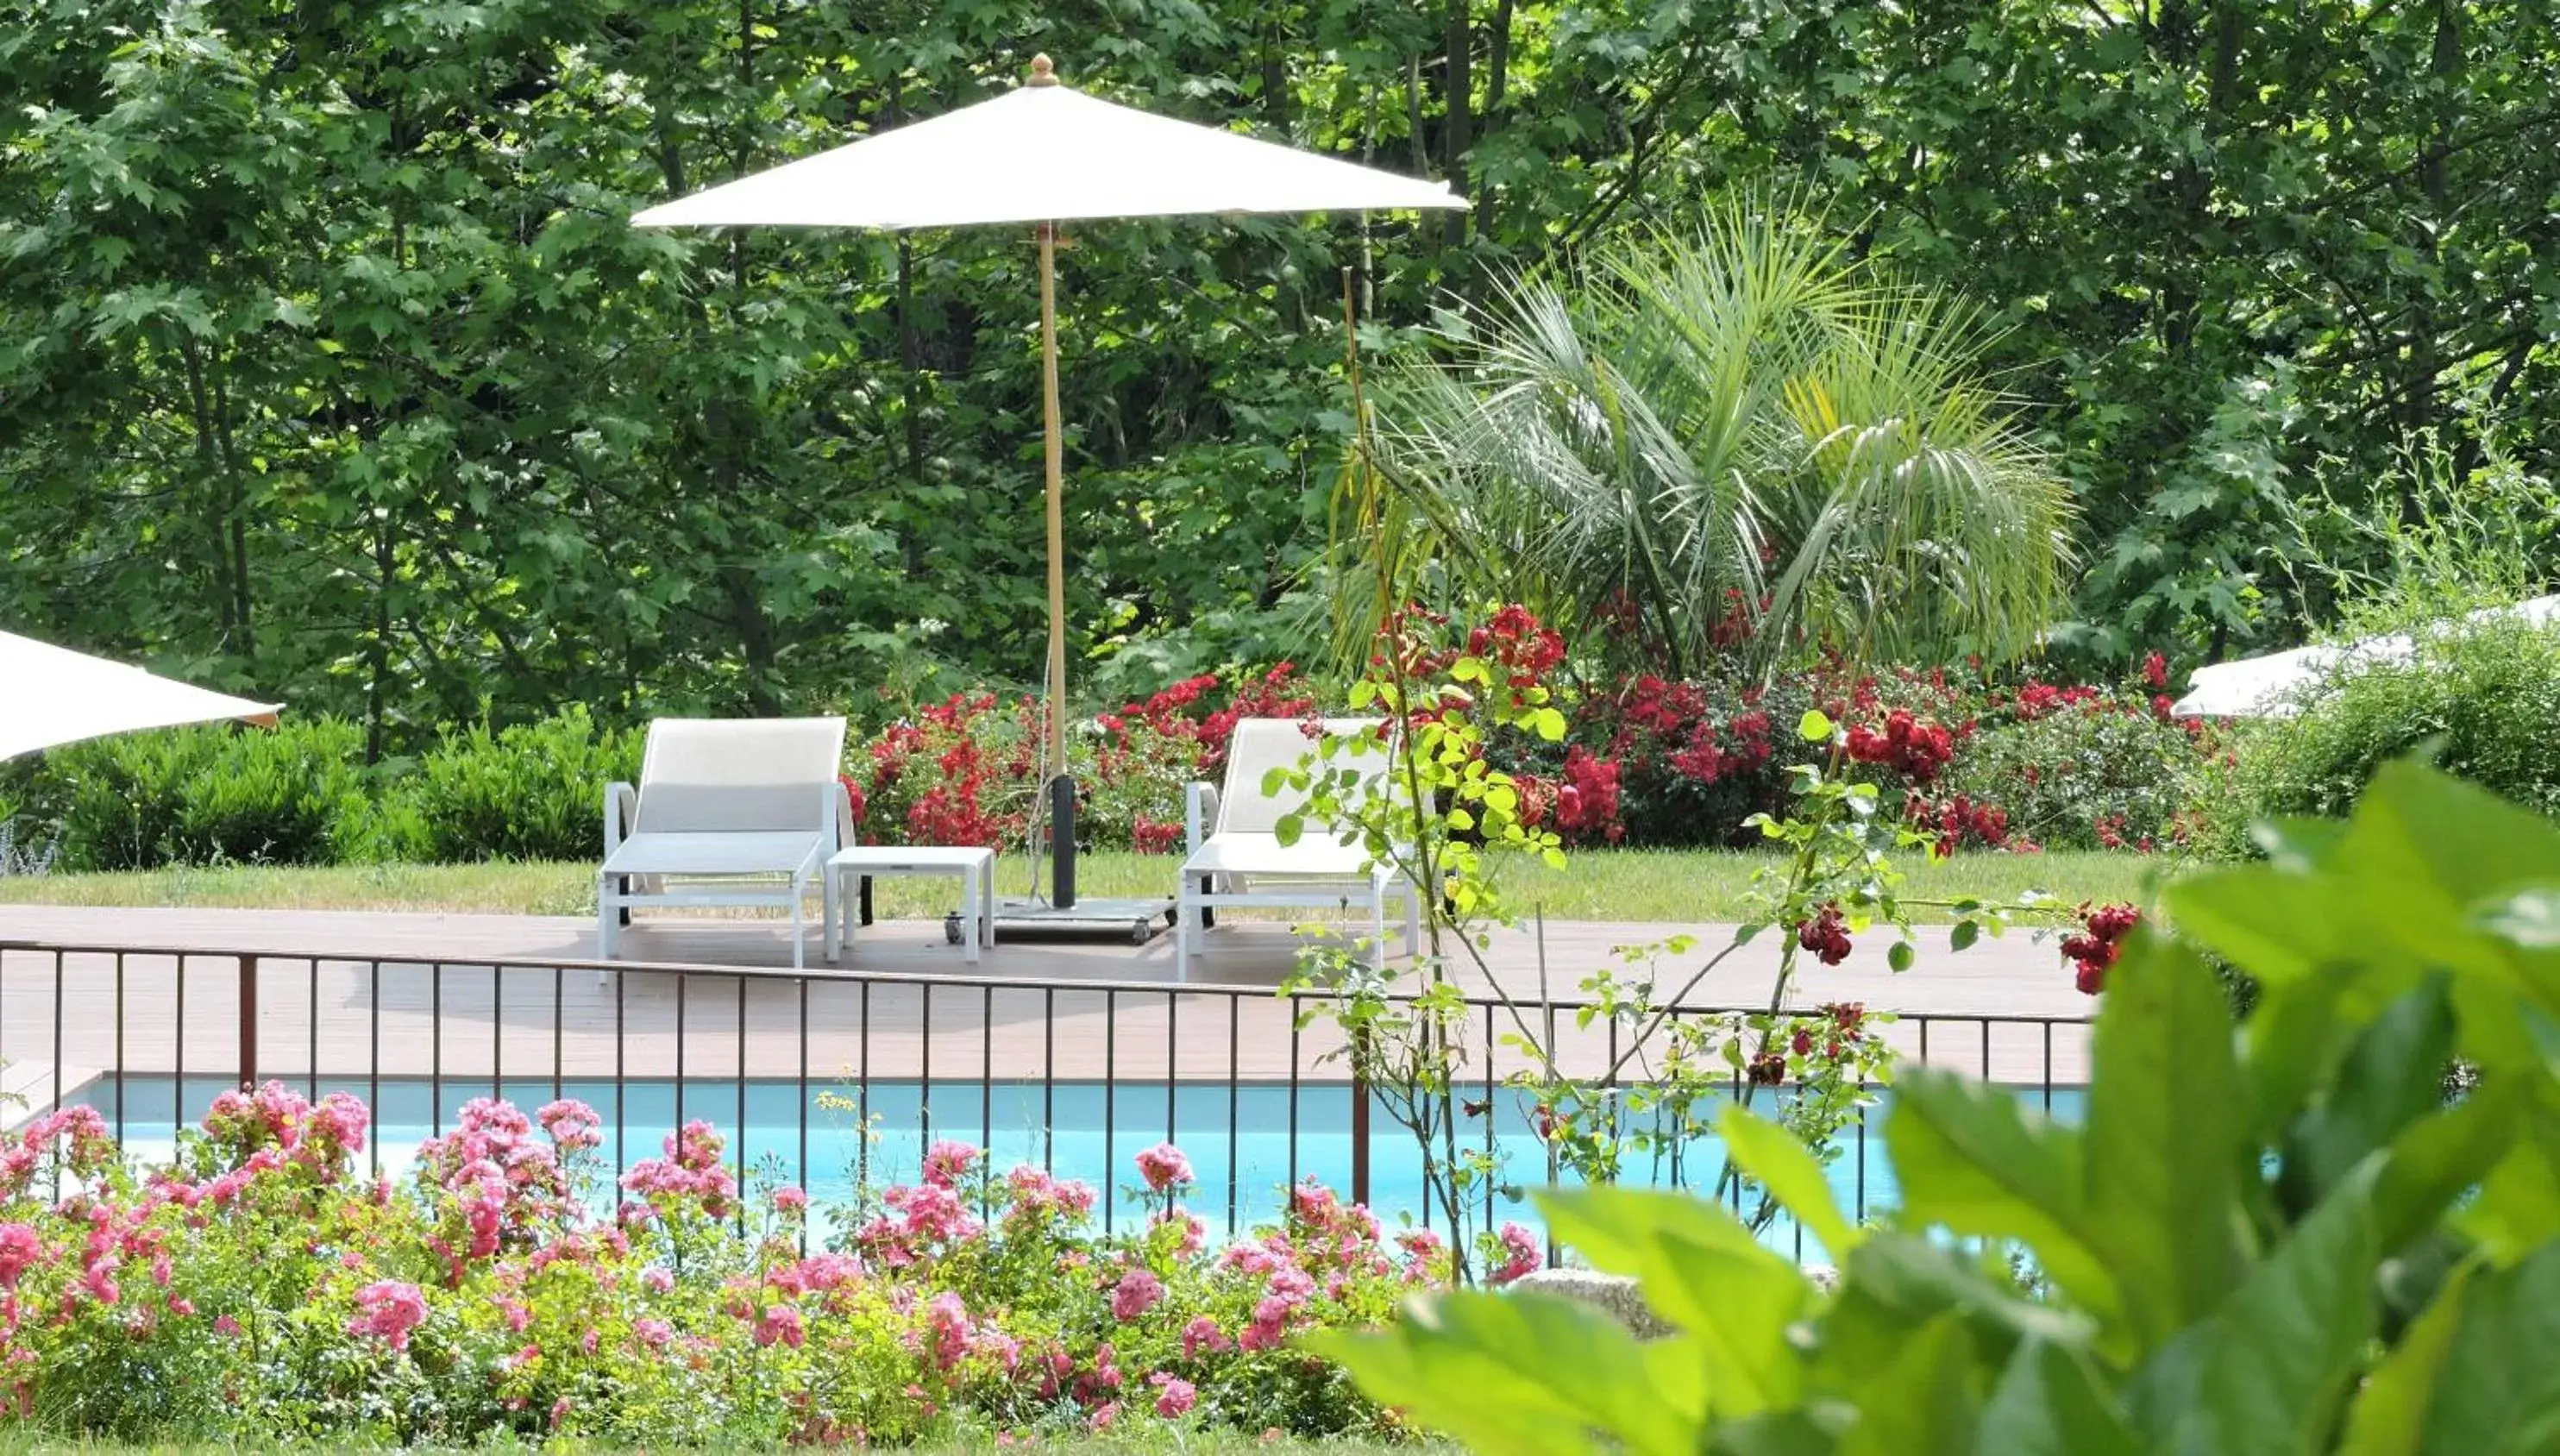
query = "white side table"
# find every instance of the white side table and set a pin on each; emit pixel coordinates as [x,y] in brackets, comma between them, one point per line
[975,869]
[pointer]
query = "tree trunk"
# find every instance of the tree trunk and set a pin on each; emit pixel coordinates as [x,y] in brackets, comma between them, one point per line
[1497,72]
[1457,130]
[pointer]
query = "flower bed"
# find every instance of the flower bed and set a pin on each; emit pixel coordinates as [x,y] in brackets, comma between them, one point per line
[258,1286]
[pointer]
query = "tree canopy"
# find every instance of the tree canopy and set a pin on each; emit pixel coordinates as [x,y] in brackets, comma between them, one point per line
[332,365]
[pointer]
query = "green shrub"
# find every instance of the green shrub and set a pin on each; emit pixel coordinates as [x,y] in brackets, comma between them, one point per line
[2484,694]
[2088,775]
[291,795]
[532,791]
[2310,1238]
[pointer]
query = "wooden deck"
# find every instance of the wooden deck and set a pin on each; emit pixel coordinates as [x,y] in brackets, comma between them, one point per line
[472,998]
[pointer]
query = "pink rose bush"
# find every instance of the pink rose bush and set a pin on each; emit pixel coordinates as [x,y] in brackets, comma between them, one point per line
[508,1289]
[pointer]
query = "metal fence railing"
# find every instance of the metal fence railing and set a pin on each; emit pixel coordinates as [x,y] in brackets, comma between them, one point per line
[837,1080]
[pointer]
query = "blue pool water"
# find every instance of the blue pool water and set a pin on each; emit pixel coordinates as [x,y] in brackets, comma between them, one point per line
[1246,1144]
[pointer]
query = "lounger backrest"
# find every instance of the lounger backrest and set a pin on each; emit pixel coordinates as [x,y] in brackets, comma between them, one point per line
[738,775]
[1261,745]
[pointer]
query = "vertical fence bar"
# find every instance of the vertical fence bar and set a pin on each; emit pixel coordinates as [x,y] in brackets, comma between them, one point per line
[682,981]
[436,1049]
[1234,1094]
[1987,1048]
[560,1016]
[1491,1112]
[800,1107]
[2048,1066]
[497,1033]
[1360,1141]
[374,1065]
[1110,1100]
[924,1070]
[987,1068]
[742,1096]
[1294,1007]
[1172,1063]
[58,957]
[313,1065]
[248,1023]
[862,1097]
[119,1053]
[1049,1079]
[178,1100]
[621,1123]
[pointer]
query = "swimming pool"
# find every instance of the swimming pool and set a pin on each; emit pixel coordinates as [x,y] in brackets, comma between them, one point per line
[1246,1142]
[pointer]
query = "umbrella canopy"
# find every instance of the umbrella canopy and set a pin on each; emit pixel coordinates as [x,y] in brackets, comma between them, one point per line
[58,695]
[1045,154]
[2273,686]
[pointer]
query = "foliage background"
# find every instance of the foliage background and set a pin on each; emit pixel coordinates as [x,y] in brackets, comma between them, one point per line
[330,364]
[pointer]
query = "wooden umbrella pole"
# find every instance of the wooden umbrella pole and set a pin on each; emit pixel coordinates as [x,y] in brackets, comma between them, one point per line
[1060,789]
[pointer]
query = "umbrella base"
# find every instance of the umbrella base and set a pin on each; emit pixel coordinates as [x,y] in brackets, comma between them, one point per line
[1138,919]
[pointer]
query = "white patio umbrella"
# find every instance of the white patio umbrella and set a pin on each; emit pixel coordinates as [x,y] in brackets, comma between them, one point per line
[1045,154]
[51,696]
[2273,686]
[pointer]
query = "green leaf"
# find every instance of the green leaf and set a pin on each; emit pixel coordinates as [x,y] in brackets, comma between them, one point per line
[2475,1375]
[1702,1272]
[1899,955]
[2049,1402]
[1971,1158]
[2435,1161]
[1815,727]
[1522,1374]
[1894,1283]
[1790,1174]
[2393,1074]
[1921,1401]
[2266,1373]
[1964,935]
[2167,1139]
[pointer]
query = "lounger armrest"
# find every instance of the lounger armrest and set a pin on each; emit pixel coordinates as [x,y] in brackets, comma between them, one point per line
[622,811]
[1200,815]
[842,831]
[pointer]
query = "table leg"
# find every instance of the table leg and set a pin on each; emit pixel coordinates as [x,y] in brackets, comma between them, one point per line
[969,916]
[987,899]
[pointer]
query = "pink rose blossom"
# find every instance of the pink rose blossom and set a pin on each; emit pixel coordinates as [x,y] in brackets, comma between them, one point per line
[388,1310]
[1165,1168]
[1136,1294]
[946,1163]
[1176,1395]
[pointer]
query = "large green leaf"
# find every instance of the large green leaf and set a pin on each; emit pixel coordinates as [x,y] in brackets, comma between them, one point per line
[2478,1374]
[2393,1074]
[1895,1283]
[2435,1159]
[1974,1160]
[2050,1402]
[2164,1149]
[1790,1174]
[1921,1402]
[2265,1376]
[1524,1375]
[1702,1272]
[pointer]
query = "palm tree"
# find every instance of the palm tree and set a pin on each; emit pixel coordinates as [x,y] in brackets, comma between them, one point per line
[1736,426]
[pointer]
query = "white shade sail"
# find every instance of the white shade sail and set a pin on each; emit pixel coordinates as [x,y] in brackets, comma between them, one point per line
[1045,154]
[2273,686]
[51,696]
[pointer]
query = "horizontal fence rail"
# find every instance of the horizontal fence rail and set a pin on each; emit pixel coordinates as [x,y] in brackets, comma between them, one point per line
[838,1081]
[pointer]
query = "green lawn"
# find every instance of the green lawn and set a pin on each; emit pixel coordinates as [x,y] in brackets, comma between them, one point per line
[1598,885]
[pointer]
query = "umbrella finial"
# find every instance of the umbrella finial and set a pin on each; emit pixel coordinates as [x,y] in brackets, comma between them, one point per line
[1044,71]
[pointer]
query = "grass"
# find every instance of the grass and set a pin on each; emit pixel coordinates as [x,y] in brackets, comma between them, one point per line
[1597,884]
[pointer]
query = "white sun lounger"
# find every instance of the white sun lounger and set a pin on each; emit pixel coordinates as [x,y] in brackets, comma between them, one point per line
[728,812]
[1236,857]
